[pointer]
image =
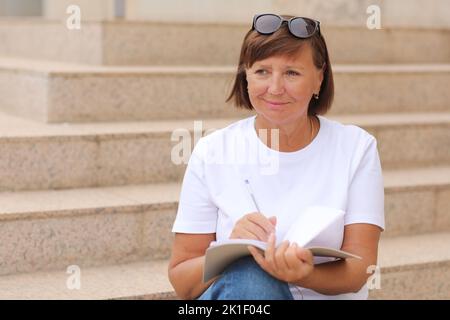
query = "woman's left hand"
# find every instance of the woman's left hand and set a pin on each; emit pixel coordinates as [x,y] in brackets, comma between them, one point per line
[289,263]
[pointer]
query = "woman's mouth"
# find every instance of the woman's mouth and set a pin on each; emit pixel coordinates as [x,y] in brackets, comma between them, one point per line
[275,105]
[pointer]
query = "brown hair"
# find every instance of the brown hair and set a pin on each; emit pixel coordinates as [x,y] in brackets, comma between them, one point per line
[258,47]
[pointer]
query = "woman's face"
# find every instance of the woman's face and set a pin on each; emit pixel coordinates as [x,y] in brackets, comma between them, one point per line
[280,88]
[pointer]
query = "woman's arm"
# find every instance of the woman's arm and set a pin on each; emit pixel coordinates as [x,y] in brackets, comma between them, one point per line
[186,264]
[347,275]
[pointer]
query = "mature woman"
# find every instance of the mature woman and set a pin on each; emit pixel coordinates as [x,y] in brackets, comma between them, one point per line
[294,158]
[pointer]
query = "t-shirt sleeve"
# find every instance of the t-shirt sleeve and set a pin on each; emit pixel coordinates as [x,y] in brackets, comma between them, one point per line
[196,212]
[366,190]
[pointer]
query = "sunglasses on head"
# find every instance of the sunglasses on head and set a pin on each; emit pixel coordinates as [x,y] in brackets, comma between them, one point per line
[300,27]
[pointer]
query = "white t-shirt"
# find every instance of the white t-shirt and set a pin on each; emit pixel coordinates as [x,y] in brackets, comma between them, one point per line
[340,168]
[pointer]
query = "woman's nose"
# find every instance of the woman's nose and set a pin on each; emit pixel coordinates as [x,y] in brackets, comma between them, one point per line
[276,86]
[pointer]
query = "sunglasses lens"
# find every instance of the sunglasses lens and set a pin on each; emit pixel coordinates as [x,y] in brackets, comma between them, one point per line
[267,24]
[303,27]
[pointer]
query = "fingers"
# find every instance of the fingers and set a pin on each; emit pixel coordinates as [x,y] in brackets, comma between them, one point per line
[288,263]
[269,253]
[280,259]
[304,255]
[264,223]
[253,226]
[273,220]
[245,234]
[256,229]
[292,261]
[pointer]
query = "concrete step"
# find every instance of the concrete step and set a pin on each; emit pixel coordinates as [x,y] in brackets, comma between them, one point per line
[46,230]
[415,267]
[61,92]
[144,279]
[150,43]
[55,156]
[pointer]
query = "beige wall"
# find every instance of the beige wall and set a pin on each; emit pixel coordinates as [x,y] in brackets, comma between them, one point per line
[336,12]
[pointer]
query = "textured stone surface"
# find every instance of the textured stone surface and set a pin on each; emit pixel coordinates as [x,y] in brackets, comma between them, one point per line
[145,279]
[44,230]
[442,219]
[416,201]
[414,145]
[409,212]
[59,242]
[139,43]
[14,85]
[426,283]
[50,40]
[55,156]
[419,271]
[85,227]
[86,237]
[80,93]
[158,236]
[389,89]
[414,267]
[48,163]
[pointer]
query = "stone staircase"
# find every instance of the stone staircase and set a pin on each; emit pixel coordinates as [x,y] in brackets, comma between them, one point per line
[86,119]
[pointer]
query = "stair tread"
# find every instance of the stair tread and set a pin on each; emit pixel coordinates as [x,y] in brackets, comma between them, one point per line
[52,202]
[15,127]
[57,67]
[47,202]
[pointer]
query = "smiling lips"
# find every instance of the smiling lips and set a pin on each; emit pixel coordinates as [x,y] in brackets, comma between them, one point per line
[275,105]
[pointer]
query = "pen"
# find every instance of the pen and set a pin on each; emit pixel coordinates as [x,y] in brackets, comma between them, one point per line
[251,194]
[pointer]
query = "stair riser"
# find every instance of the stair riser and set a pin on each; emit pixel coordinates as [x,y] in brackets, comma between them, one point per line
[159,44]
[86,238]
[85,97]
[106,160]
[411,211]
[57,163]
[421,282]
[118,235]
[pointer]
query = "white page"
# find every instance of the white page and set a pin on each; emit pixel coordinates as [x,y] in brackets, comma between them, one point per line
[311,223]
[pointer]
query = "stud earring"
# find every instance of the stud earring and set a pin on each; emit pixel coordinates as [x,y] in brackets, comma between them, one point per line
[316,96]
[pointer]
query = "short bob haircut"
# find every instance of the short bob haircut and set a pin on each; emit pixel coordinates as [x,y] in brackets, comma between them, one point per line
[258,47]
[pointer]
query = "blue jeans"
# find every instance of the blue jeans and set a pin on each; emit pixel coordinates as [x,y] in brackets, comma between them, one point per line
[246,280]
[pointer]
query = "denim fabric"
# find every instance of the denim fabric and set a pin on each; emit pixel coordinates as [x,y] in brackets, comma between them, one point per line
[246,280]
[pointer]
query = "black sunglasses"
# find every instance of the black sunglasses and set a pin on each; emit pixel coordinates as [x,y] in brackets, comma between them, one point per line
[300,27]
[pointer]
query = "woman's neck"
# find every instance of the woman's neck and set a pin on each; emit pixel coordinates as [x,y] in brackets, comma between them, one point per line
[291,137]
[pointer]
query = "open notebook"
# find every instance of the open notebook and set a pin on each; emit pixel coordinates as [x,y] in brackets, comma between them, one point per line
[313,222]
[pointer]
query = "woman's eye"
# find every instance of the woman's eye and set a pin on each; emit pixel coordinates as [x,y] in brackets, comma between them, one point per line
[292,73]
[261,71]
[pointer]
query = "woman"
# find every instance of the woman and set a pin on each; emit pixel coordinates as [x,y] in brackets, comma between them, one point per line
[294,158]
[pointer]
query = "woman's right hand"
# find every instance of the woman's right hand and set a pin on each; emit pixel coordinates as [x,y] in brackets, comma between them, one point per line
[254,226]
